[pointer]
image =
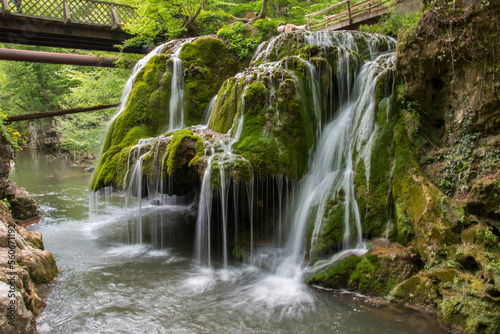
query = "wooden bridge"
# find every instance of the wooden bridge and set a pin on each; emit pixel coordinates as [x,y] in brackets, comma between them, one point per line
[348,15]
[76,24]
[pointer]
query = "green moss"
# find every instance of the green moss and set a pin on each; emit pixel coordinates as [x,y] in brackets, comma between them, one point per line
[176,151]
[226,106]
[411,287]
[331,233]
[235,167]
[145,107]
[238,252]
[365,275]
[208,63]
[337,274]
[143,117]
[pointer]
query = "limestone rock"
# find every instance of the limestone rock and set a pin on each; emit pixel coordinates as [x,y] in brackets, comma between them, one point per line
[32,267]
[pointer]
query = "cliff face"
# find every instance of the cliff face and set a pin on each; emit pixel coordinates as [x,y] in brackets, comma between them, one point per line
[450,79]
[24,264]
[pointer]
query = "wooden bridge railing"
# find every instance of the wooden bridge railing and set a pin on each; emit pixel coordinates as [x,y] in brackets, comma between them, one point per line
[345,11]
[88,12]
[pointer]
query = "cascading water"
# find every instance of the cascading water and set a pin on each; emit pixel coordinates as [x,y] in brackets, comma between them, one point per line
[130,82]
[133,181]
[176,105]
[332,165]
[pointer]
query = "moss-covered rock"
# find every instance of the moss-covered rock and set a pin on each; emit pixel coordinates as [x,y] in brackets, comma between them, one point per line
[376,273]
[232,167]
[143,117]
[208,63]
[173,158]
[227,106]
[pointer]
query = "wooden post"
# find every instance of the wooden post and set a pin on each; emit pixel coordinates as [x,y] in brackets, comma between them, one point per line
[115,21]
[5,9]
[67,15]
[308,24]
[349,10]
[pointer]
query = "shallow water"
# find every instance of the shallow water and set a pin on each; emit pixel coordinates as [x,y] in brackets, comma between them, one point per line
[106,285]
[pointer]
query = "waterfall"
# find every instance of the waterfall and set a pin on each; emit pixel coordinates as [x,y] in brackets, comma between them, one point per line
[332,164]
[176,105]
[202,245]
[346,126]
[130,82]
[338,96]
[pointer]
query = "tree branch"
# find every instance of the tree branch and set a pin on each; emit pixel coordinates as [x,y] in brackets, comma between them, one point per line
[27,117]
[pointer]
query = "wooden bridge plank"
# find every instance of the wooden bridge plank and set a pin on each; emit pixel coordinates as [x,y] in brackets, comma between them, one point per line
[48,33]
[79,24]
[351,17]
[357,21]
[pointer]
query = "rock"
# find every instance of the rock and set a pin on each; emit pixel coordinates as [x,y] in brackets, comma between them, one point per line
[32,267]
[376,273]
[23,205]
[207,63]
[15,317]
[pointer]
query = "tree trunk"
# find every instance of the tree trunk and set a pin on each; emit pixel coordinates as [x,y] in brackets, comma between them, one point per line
[263,11]
[27,117]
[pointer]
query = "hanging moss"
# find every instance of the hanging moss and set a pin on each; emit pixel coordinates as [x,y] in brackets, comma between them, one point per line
[226,106]
[176,156]
[235,167]
[275,147]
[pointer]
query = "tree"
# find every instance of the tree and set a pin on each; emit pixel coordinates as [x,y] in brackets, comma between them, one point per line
[263,11]
[161,20]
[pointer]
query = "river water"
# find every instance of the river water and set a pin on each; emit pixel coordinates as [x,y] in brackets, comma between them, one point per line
[107,285]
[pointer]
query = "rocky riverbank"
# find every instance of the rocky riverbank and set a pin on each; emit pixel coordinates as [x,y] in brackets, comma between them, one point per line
[24,264]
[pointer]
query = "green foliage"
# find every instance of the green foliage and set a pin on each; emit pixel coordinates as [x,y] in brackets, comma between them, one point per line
[14,137]
[161,19]
[84,132]
[394,22]
[238,8]
[243,39]
[240,39]
[209,22]
[30,87]
[266,28]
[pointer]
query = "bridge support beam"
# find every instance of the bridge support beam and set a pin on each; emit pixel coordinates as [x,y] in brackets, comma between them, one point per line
[56,58]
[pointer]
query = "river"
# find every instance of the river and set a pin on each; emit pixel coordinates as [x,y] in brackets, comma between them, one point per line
[107,285]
